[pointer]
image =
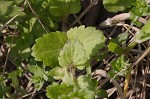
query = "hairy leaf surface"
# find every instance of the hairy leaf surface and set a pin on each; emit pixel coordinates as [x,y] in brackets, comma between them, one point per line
[47,48]
[92,39]
[72,54]
[81,94]
[55,91]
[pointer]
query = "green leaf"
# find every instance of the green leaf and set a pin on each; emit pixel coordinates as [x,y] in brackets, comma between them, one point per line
[117,5]
[3,91]
[111,73]
[20,46]
[144,34]
[56,91]
[17,1]
[122,38]
[81,94]
[42,10]
[102,55]
[36,70]
[86,82]
[62,8]
[140,8]
[72,54]
[120,66]
[91,39]
[68,77]
[47,77]
[37,77]
[102,94]
[57,73]
[10,9]
[47,48]
[14,77]
[37,81]
[115,48]
[32,26]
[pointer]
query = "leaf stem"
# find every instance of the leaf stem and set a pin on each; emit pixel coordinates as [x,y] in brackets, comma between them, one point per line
[128,74]
[127,79]
[76,85]
[130,46]
[88,69]
[133,43]
[70,76]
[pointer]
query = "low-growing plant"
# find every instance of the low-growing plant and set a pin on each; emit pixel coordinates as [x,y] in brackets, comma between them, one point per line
[60,59]
[66,53]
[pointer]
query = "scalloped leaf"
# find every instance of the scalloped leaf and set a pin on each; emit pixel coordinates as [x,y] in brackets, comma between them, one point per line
[117,5]
[47,48]
[72,54]
[81,94]
[62,8]
[91,39]
[86,82]
[144,34]
[10,9]
[55,91]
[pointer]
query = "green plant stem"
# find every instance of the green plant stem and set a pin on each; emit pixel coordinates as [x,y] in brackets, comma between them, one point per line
[88,69]
[130,46]
[70,76]
[128,74]
[127,79]
[76,85]
[77,88]
[133,43]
